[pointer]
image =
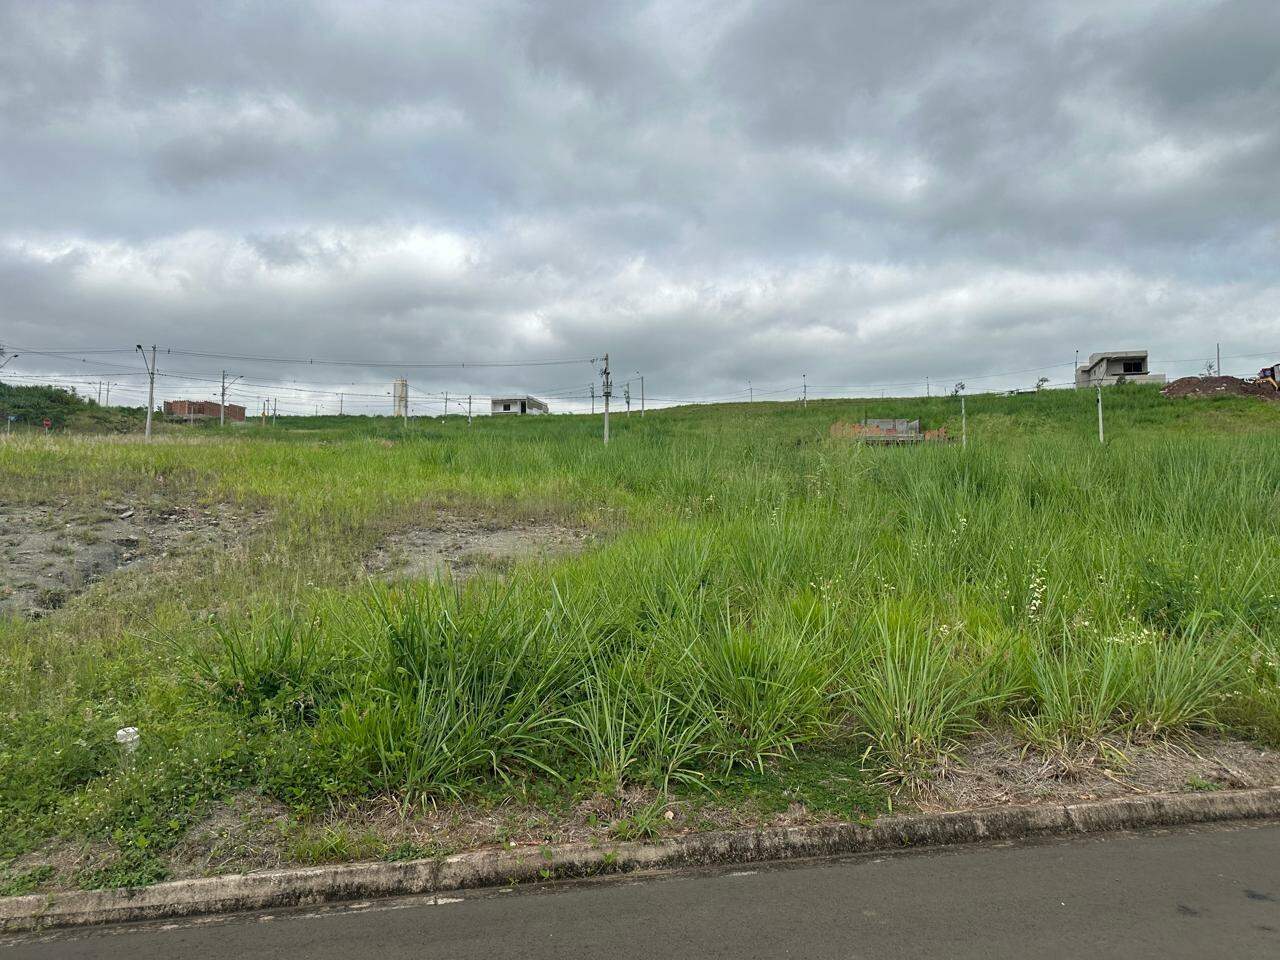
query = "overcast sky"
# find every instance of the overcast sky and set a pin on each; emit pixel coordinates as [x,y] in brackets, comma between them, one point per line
[862,193]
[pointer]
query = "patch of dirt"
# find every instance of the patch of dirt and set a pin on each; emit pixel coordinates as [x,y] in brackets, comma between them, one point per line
[998,770]
[51,552]
[59,863]
[462,545]
[1219,387]
[246,834]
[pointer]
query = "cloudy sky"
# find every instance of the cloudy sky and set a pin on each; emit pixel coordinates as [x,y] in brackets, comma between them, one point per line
[859,193]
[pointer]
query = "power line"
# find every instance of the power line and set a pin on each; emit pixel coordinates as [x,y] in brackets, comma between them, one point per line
[382,363]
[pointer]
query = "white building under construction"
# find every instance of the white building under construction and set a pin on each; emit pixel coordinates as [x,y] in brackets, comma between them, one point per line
[1116,366]
[506,406]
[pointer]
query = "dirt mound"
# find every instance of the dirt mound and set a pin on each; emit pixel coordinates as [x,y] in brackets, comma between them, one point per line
[1219,387]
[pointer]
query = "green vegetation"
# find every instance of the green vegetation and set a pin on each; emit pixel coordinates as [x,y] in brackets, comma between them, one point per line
[770,617]
[32,405]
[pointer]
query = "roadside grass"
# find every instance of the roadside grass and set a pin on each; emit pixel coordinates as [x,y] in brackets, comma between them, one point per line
[771,617]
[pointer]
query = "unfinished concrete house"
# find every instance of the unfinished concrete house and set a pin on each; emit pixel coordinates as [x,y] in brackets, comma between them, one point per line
[1108,369]
[193,410]
[517,405]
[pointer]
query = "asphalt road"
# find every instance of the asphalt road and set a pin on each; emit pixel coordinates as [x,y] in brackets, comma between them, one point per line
[1204,893]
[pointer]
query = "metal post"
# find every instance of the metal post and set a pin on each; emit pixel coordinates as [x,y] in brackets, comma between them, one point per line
[608,390]
[1101,437]
[964,426]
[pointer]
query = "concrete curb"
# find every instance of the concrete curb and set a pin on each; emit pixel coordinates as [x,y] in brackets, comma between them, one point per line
[302,887]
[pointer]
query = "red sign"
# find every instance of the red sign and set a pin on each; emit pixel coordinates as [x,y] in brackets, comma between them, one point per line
[47,423]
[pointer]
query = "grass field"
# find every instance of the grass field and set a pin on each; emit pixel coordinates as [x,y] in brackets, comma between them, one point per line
[766,616]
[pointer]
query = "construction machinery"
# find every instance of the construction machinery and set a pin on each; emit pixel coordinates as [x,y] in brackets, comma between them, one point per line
[1270,376]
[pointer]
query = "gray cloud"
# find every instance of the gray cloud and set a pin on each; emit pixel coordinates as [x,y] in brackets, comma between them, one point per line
[714,192]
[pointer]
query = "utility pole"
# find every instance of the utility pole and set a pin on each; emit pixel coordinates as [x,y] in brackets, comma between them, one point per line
[607,391]
[151,390]
[804,390]
[964,426]
[927,389]
[642,394]
[275,408]
[626,396]
[468,409]
[222,410]
[446,403]
[751,393]
[1218,368]
[339,404]
[1101,437]
[109,386]
[593,398]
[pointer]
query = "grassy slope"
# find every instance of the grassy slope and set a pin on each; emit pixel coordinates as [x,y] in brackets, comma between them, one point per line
[765,592]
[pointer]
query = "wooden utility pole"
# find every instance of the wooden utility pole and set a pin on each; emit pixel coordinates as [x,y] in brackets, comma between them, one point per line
[607,391]
[804,390]
[151,388]
[751,393]
[964,426]
[1101,437]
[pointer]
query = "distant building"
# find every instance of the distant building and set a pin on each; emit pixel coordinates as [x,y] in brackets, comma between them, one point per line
[192,410]
[1114,366]
[517,405]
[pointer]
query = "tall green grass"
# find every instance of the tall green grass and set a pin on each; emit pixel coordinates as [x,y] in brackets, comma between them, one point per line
[758,592]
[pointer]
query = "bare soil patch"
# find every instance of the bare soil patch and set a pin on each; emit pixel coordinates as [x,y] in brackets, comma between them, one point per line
[461,545]
[1219,387]
[248,833]
[50,552]
[997,770]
